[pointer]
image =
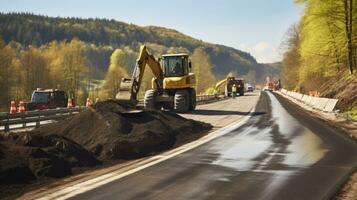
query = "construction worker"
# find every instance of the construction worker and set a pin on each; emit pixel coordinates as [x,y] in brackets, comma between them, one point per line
[234,90]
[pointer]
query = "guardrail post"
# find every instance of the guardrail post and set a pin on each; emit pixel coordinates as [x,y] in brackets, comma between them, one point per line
[38,119]
[7,126]
[24,124]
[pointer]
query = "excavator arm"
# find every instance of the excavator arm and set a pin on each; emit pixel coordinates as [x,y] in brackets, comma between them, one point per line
[129,87]
[224,81]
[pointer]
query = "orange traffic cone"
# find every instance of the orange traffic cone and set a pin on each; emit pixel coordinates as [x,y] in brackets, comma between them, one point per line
[13,107]
[69,103]
[88,103]
[21,107]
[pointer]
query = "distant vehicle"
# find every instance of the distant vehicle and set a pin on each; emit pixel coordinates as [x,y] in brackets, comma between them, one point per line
[228,83]
[47,99]
[269,86]
[239,84]
[250,88]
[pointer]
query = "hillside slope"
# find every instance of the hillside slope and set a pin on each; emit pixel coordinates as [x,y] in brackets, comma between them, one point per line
[30,29]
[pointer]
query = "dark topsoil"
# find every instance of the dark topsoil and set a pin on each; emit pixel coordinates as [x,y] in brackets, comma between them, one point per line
[105,132]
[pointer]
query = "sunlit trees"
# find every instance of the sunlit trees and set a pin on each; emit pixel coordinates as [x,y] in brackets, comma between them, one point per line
[323,45]
[7,72]
[68,65]
[116,71]
[34,71]
[291,58]
[202,67]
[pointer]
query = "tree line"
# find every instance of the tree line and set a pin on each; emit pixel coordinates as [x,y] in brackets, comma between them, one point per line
[35,30]
[322,45]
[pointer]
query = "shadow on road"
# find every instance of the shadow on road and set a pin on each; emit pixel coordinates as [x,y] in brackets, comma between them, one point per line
[223,112]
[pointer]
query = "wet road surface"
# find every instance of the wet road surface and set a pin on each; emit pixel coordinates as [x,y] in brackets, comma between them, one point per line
[280,153]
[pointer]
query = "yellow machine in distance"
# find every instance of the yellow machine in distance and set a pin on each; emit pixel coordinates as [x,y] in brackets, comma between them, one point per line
[228,83]
[172,85]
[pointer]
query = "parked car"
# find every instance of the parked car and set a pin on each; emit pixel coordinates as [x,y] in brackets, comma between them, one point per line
[47,99]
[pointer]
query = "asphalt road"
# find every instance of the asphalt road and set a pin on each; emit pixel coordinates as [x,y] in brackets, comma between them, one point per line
[279,153]
[223,113]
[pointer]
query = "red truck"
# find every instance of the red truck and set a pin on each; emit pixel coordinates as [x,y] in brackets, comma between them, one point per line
[47,99]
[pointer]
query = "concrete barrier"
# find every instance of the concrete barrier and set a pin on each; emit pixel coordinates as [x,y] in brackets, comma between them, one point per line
[330,105]
[314,102]
[304,98]
[299,96]
[324,104]
[308,100]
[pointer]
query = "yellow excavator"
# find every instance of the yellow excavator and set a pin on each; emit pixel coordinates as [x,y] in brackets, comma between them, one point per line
[172,85]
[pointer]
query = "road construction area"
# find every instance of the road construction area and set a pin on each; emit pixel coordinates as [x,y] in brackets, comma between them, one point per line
[273,150]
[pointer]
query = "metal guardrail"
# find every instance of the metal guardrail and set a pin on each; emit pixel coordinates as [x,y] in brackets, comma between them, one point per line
[201,98]
[34,118]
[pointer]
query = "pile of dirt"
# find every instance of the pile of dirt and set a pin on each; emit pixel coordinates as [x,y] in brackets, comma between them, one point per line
[113,131]
[106,131]
[25,157]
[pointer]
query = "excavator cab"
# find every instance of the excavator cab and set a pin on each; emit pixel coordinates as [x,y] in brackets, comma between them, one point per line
[175,65]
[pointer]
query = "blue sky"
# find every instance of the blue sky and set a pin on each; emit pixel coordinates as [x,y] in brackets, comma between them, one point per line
[256,26]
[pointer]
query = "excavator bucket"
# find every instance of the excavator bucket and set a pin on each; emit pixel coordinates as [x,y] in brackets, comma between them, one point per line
[125,94]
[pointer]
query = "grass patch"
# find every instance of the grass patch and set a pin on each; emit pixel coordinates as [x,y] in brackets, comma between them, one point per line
[351,113]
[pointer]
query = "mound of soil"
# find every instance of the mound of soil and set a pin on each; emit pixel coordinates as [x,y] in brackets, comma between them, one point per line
[113,131]
[25,157]
[108,130]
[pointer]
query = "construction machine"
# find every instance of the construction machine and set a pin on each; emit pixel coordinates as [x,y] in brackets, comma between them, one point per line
[229,81]
[172,85]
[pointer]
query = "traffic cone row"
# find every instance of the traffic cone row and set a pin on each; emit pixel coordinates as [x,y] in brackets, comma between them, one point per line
[13,108]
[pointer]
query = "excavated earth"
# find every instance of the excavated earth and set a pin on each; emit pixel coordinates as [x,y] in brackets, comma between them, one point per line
[105,132]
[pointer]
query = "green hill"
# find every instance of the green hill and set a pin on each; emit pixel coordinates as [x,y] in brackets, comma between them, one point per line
[106,35]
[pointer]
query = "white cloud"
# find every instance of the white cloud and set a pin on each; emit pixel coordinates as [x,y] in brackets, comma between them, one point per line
[262,51]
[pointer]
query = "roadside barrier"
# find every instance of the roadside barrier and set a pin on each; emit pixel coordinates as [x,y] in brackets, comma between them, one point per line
[11,121]
[19,120]
[21,107]
[13,107]
[320,103]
